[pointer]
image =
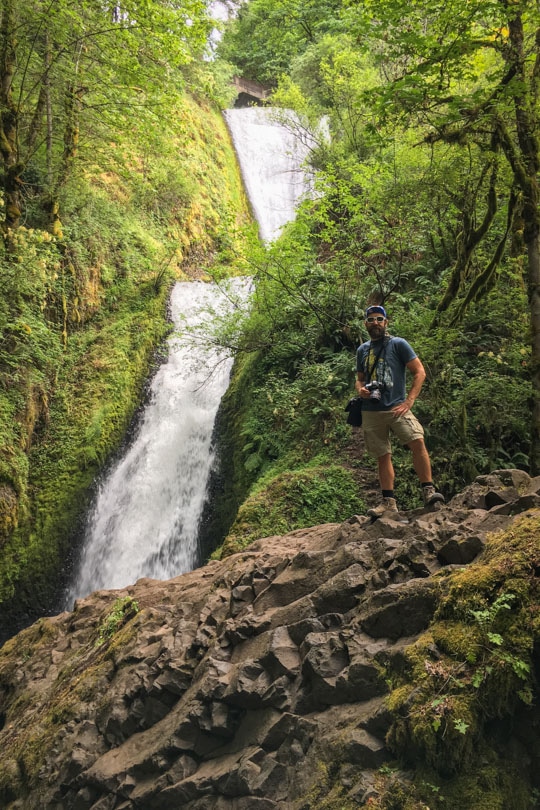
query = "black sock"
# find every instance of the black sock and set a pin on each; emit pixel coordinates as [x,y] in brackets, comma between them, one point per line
[388,493]
[427,484]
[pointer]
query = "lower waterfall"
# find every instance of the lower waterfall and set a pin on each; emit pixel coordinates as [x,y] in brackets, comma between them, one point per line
[145,517]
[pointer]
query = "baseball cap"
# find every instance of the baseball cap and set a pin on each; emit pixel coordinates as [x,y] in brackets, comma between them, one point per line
[377,309]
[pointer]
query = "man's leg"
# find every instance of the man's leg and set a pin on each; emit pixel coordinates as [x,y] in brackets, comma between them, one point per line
[386,471]
[386,481]
[377,441]
[422,467]
[421,461]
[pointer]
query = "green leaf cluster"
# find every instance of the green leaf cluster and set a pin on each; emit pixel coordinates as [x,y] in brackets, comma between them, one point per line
[122,611]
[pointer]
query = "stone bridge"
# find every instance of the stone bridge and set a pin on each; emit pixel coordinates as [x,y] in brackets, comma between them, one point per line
[254,90]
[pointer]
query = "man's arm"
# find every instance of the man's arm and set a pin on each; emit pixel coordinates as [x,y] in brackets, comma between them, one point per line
[419,375]
[360,377]
[359,385]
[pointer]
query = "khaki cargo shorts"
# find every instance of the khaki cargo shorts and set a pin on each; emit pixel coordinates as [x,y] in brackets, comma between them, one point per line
[378,425]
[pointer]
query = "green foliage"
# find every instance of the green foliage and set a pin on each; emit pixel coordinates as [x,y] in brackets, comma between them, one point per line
[321,492]
[413,206]
[90,73]
[122,611]
[264,37]
[305,411]
[478,382]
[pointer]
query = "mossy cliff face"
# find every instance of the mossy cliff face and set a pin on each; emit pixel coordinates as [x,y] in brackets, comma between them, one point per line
[284,460]
[383,665]
[231,479]
[80,327]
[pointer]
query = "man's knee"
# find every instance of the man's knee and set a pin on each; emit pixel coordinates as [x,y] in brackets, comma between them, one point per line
[417,446]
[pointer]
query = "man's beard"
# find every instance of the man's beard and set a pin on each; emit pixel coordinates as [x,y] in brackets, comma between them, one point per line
[376,332]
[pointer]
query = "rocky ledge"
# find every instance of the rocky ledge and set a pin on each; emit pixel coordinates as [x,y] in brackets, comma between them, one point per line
[267,680]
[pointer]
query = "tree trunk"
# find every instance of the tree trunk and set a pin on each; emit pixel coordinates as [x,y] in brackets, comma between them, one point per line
[49,114]
[525,162]
[533,251]
[72,105]
[9,121]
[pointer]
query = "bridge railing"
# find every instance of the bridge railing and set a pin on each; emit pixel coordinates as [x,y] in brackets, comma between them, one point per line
[251,88]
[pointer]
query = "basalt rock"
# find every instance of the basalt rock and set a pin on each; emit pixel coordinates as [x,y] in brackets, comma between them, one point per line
[233,687]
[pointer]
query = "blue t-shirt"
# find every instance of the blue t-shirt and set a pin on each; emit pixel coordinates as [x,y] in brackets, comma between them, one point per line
[390,370]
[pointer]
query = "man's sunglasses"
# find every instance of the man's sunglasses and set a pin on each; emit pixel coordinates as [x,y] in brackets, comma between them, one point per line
[379,319]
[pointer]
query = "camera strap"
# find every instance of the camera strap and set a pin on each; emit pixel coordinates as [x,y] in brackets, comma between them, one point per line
[382,351]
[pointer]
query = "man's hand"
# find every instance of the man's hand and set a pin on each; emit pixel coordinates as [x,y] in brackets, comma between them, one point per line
[360,390]
[419,375]
[402,408]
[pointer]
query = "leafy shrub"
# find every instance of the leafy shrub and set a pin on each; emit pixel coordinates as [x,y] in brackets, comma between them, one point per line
[305,412]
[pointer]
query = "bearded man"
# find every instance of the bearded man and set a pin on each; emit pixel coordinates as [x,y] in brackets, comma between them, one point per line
[381,364]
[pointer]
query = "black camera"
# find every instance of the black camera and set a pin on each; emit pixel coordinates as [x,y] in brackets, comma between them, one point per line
[375,389]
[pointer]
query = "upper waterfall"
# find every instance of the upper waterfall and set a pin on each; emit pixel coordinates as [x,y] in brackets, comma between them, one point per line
[272,159]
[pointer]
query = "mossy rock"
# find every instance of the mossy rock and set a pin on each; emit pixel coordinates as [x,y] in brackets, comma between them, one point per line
[293,500]
[469,674]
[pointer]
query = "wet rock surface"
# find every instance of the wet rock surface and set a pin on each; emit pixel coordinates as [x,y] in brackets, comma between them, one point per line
[229,688]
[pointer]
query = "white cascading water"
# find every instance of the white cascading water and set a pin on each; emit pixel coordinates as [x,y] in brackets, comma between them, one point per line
[145,518]
[271,157]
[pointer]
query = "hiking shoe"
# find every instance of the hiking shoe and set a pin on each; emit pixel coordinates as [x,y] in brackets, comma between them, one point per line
[431,496]
[386,505]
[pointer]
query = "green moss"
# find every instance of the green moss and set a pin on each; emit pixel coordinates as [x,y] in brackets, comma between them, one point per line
[489,787]
[457,639]
[314,494]
[486,787]
[16,708]
[327,793]
[474,664]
